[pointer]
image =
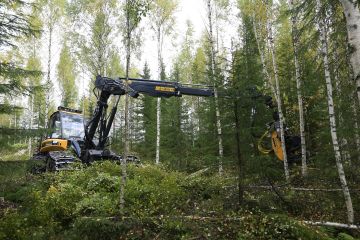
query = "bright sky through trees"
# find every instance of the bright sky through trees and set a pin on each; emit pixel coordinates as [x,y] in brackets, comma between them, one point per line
[188,10]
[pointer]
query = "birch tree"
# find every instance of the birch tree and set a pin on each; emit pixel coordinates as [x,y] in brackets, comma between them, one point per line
[91,34]
[352,15]
[332,117]
[295,41]
[262,57]
[162,20]
[53,11]
[134,11]
[66,76]
[277,88]
[274,87]
[213,78]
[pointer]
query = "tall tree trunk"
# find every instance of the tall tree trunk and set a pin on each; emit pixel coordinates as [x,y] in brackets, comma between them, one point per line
[238,154]
[277,90]
[126,135]
[352,15]
[356,130]
[343,141]
[295,39]
[354,106]
[213,73]
[158,104]
[332,118]
[262,58]
[31,122]
[48,79]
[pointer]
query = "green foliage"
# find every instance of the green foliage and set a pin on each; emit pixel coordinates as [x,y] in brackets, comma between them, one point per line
[147,146]
[66,76]
[136,10]
[98,228]
[162,16]
[84,204]
[344,236]
[16,23]
[278,227]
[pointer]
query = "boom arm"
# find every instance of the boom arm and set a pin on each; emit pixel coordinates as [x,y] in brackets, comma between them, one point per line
[154,88]
[134,86]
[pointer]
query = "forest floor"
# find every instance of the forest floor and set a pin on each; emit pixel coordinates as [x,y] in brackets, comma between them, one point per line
[160,204]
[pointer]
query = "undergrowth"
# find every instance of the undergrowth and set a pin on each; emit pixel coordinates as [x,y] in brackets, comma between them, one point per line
[160,203]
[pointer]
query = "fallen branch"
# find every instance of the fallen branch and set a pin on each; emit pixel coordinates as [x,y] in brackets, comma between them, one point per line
[305,189]
[197,173]
[294,188]
[205,218]
[333,224]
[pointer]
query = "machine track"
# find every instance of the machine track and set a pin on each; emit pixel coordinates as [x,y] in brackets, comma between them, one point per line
[59,160]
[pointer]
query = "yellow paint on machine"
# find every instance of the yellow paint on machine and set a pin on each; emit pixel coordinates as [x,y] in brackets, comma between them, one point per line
[50,144]
[164,89]
[276,145]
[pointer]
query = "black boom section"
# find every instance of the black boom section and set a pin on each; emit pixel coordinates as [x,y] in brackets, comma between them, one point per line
[158,88]
[101,122]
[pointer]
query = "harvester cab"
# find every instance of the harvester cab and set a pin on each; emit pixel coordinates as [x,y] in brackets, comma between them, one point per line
[67,123]
[62,145]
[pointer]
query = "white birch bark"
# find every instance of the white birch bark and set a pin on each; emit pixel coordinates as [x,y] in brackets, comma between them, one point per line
[352,15]
[262,58]
[354,110]
[332,118]
[31,123]
[343,141]
[48,79]
[278,93]
[295,39]
[217,110]
[356,129]
[158,104]
[126,137]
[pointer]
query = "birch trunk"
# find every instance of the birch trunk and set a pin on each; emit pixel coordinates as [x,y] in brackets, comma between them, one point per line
[295,39]
[332,118]
[31,123]
[158,104]
[262,58]
[126,137]
[356,129]
[217,110]
[343,141]
[353,107]
[48,79]
[352,15]
[278,93]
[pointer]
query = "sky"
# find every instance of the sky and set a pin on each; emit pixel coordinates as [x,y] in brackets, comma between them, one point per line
[193,10]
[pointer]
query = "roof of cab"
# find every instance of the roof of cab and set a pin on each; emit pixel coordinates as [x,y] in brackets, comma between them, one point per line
[70,110]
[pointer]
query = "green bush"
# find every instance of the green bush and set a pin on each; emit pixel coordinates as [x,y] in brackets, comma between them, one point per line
[98,228]
[84,204]
[260,226]
[151,191]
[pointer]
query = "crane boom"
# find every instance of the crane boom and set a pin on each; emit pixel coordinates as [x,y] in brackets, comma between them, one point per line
[155,88]
[101,122]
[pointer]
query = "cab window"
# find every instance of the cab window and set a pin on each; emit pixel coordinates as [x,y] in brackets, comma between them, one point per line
[55,126]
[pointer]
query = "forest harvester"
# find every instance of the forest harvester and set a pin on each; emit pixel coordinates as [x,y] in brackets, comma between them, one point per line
[74,139]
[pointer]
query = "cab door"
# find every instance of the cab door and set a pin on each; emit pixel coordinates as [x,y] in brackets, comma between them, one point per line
[55,126]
